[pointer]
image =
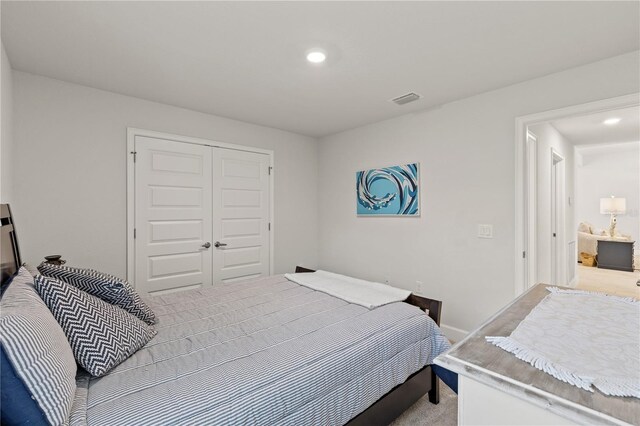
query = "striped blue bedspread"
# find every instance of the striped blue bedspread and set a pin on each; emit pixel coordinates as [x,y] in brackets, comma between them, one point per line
[266,352]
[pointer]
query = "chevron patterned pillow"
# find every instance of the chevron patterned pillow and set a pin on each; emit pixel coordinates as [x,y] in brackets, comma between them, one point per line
[101,335]
[107,287]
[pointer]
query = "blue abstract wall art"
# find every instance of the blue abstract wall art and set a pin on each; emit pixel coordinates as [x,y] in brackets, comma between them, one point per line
[388,191]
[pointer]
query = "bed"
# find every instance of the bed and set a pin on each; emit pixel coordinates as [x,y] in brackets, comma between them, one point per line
[265,351]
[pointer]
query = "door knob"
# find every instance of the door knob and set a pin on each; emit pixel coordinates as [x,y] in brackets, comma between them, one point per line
[219,244]
[206,245]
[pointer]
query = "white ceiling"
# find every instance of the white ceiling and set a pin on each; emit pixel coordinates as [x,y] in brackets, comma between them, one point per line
[590,129]
[245,60]
[590,151]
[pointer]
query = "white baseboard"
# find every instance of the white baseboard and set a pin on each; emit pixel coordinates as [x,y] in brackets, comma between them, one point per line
[574,282]
[454,334]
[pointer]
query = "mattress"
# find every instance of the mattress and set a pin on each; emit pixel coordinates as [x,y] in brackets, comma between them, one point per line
[265,351]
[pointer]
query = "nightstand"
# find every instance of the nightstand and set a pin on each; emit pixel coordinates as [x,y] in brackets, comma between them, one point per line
[615,254]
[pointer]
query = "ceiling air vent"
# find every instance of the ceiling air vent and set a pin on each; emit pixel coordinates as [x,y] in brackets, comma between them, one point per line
[405,99]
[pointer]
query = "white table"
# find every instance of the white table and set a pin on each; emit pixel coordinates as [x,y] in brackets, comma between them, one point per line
[496,388]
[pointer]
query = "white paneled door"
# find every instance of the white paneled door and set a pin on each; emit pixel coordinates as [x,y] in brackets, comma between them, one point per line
[240,215]
[202,215]
[172,215]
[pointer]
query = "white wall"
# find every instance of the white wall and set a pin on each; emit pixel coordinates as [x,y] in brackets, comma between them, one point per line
[70,172]
[466,150]
[6,129]
[606,171]
[549,138]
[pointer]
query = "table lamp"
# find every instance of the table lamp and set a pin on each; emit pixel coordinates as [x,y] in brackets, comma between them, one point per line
[613,206]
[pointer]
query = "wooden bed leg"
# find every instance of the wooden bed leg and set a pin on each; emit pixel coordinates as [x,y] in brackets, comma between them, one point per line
[434,393]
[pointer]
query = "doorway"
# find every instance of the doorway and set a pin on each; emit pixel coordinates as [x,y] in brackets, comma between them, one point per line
[200,212]
[530,256]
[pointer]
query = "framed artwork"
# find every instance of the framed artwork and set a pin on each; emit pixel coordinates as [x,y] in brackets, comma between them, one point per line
[388,191]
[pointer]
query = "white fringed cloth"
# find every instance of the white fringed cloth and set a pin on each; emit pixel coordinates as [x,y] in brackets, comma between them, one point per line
[582,338]
[364,293]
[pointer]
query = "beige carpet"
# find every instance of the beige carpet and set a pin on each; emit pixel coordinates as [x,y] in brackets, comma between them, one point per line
[608,281]
[425,413]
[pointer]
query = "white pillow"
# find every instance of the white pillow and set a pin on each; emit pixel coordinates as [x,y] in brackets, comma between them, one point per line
[584,227]
[599,231]
[32,269]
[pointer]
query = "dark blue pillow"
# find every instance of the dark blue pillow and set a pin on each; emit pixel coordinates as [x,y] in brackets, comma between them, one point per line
[18,407]
[5,285]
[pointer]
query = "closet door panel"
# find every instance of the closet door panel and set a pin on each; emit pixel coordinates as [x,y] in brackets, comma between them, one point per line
[173,215]
[240,215]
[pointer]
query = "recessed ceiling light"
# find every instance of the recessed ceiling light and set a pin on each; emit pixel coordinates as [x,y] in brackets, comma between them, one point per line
[611,121]
[316,56]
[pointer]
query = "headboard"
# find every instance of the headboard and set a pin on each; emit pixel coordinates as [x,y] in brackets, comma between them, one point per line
[434,307]
[10,260]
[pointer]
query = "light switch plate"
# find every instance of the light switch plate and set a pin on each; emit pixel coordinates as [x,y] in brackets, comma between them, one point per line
[485,231]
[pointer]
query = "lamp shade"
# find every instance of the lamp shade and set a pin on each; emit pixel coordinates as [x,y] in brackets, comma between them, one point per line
[613,205]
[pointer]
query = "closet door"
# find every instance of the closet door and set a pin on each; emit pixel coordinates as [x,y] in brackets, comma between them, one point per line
[240,215]
[172,215]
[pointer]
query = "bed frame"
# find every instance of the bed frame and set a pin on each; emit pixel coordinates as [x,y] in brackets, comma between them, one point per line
[10,260]
[382,412]
[399,399]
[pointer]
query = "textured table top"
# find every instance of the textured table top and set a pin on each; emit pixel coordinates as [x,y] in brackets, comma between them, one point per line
[475,358]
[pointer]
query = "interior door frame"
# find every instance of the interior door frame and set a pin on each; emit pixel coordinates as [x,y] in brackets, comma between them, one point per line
[558,219]
[132,132]
[531,209]
[522,124]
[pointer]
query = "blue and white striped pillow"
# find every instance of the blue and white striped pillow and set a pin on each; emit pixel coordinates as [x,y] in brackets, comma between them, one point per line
[107,287]
[37,349]
[101,335]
